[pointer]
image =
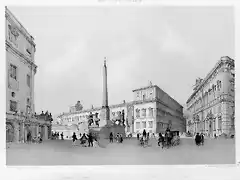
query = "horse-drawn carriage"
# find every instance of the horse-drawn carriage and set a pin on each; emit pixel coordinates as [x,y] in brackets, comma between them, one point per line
[171,138]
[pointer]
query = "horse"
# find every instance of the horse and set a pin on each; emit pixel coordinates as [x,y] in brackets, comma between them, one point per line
[167,140]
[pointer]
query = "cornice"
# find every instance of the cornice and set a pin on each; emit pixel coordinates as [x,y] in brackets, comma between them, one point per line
[144,88]
[13,20]
[218,65]
[155,86]
[13,50]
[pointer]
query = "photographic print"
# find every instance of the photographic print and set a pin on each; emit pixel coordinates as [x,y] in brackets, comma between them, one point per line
[119,85]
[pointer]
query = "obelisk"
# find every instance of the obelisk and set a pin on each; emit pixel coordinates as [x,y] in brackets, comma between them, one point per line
[105,90]
[105,109]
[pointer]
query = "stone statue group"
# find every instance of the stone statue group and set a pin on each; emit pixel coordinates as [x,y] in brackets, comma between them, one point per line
[94,120]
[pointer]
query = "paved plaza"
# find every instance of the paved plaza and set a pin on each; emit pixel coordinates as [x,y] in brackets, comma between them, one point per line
[57,152]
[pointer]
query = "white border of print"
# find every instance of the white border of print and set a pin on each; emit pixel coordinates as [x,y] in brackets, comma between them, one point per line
[121,172]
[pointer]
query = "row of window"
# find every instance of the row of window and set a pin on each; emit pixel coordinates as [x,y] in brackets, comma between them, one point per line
[143,112]
[144,125]
[211,90]
[13,74]
[209,125]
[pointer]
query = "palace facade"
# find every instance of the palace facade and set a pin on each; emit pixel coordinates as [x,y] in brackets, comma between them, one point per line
[211,106]
[21,69]
[151,109]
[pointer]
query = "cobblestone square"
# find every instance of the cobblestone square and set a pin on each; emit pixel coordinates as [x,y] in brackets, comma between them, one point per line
[57,152]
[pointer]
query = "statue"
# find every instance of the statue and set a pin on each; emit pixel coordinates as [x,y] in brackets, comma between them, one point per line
[90,119]
[78,106]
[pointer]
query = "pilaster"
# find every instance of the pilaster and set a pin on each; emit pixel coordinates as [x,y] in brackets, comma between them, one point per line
[16,131]
[46,132]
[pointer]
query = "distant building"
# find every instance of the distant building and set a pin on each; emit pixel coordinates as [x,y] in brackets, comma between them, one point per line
[21,69]
[152,109]
[211,106]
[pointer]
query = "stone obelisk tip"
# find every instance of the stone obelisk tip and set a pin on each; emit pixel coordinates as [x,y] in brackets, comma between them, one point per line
[105,59]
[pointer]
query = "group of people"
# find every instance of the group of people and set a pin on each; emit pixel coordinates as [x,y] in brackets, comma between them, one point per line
[168,139]
[118,137]
[55,135]
[199,139]
[144,135]
[85,139]
[36,139]
[144,138]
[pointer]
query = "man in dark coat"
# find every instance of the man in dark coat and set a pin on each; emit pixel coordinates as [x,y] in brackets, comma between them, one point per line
[202,139]
[111,137]
[198,139]
[74,138]
[137,136]
[90,140]
[144,133]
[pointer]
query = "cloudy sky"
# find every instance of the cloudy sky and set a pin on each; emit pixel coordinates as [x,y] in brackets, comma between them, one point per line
[171,46]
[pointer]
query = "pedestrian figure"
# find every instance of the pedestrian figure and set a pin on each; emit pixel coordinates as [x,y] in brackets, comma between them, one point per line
[90,140]
[111,137]
[118,137]
[202,139]
[74,138]
[144,133]
[62,136]
[121,138]
[153,136]
[29,137]
[39,138]
[160,140]
[83,140]
[137,136]
[198,139]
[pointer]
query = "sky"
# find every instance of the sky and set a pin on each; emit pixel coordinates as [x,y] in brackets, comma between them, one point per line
[170,46]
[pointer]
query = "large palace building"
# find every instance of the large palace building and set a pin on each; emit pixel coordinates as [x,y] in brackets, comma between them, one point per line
[20,71]
[152,109]
[211,106]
